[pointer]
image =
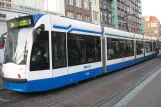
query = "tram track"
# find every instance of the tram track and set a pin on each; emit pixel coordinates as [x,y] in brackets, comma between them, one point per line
[105,98]
[26,97]
[104,101]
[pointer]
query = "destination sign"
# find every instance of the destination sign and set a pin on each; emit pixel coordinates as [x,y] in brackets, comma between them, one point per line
[20,22]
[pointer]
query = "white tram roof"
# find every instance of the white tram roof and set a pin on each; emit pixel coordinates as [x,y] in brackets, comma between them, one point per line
[147,37]
[117,33]
[64,24]
[138,37]
[154,38]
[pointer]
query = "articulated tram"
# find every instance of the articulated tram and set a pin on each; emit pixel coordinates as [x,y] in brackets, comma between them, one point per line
[44,52]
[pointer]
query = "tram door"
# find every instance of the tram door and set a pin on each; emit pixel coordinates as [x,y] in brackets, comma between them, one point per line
[59,56]
[40,57]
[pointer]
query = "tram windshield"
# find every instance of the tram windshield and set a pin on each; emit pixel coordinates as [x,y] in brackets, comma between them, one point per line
[15,46]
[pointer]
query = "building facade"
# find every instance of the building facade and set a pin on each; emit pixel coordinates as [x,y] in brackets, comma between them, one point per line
[95,12]
[78,9]
[128,15]
[9,10]
[39,4]
[106,12]
[124,15]
[119,14]
[151,26]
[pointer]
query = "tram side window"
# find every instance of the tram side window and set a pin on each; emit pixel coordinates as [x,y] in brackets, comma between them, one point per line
[83,49]
[98,49]
[139,47]
[58,49]
[93,49]
[129,48]
[40,52]
[122,48]
[154,46]
[76,49]
[148,47]
[112,48]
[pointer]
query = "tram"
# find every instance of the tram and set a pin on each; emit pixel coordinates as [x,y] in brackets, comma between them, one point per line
[44,52]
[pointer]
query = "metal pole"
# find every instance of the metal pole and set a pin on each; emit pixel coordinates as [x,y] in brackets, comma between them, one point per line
[103,50]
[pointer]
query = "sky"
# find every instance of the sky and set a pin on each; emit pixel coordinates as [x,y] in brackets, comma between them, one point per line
[152,7]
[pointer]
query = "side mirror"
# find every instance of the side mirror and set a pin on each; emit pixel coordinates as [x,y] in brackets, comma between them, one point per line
[2,39]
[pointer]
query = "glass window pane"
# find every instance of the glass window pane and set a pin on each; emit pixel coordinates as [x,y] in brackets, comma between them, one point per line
[129,48]
[148,47]
[122,52]
[40,53]
[112,49]
[90,46]
[59,49]
[139,47]
[83,49]
[98,49]
[86,4]
[76,49]
[78,3]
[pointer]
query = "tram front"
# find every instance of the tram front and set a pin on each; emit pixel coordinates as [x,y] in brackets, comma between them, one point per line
[15,52]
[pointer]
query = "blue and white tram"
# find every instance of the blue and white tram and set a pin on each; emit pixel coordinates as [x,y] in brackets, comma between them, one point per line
[45,52]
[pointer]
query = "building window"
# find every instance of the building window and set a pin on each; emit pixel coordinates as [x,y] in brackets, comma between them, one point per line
[95,15]
[109,18]
[87,18]
[104,6]
[101,16]
[156,31]
[153,24]
[70,2]
[147,19]
[95,2]
[105,17]
[86,5]
[79,16]
[70,14]
[78,3]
